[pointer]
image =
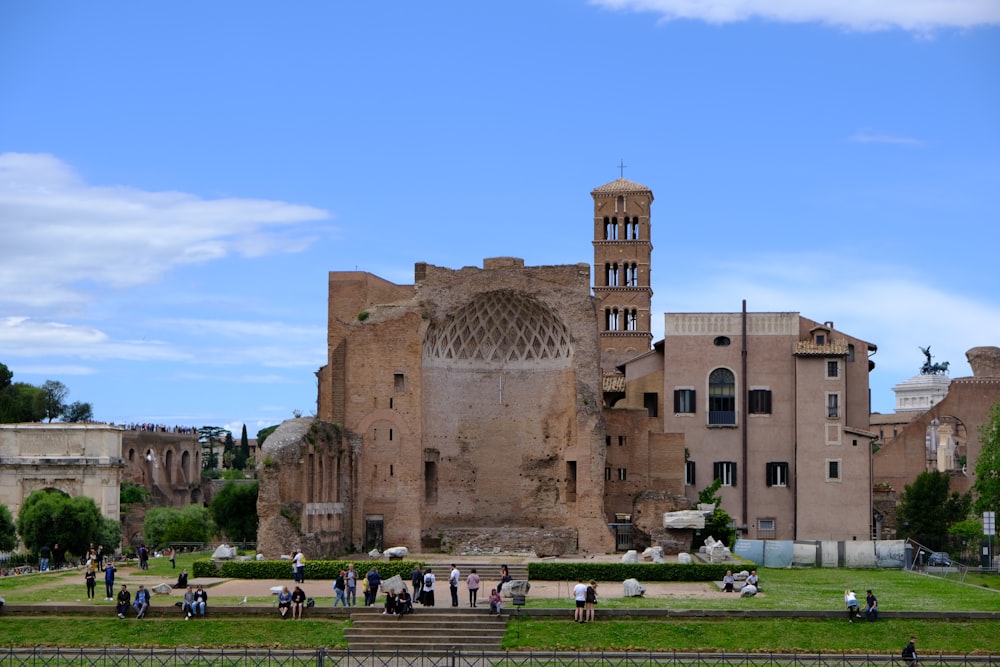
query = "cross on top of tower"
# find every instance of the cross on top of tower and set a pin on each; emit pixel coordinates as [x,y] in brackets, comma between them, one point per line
[621,168]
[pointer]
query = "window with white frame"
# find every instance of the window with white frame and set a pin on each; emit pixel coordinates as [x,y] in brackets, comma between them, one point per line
[689,470]
[684,401]
[832,470]
[832,368]
[833,406]
[726,471]
[777,473]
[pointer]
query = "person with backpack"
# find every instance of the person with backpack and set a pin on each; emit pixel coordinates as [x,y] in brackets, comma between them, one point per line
[910,652]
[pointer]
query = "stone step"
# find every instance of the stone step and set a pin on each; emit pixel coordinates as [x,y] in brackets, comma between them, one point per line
[427,629]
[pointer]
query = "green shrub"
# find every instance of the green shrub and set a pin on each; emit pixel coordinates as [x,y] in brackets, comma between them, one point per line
[282,569]
[642,571]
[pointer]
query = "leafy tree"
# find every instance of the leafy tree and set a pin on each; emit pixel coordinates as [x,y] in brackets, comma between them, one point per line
[209,437]
[50,516]
[243,453]
[719,525]
[263,433]
[132,493]
[21,402]
[234,509]
[55,394]
[109,533]
[987,485]
[164,525]
[6,375]
[8,531]
[79,412]
[926,509]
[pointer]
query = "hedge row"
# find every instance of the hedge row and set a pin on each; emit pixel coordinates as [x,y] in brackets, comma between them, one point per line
[644,572]
[282,569]
[544,571]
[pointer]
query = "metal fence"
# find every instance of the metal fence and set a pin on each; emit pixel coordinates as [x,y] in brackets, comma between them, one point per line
[321,657]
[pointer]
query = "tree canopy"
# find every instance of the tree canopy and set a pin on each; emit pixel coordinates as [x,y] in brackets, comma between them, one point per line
[719,525]
[23,402]
[8,530]
[50,516]
[987,485]
[165,525]
[234,509]
[927,510]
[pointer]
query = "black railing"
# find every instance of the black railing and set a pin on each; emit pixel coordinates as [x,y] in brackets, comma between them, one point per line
[323,657]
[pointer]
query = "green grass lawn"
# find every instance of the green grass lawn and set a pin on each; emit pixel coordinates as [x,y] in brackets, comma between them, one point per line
[813,589]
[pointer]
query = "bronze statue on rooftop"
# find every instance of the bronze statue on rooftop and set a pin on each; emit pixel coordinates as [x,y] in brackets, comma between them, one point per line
[929,367]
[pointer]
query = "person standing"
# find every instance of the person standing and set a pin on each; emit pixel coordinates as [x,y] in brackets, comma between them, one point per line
[428,588]
[173,559]
[453,578]
[591,601]
[352,586]
[90,577]
[580,599]
[57,556]
[296,560]
[109,582]
[851,601]
[340,589]
[374,580]
[417,581]
[910,652]
[871,606]
[472,582]
[44,555]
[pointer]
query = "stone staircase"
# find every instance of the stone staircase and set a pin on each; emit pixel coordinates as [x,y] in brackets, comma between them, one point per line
[426,630]
[441,628]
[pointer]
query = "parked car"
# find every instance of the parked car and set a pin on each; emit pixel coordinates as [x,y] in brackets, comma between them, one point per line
[939,559]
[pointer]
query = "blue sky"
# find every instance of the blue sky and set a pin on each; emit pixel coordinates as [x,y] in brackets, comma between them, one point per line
[176,179]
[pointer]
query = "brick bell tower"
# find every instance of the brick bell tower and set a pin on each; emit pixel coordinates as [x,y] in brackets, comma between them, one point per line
[622,252]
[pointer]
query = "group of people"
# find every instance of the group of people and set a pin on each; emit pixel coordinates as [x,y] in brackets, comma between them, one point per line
[854,609]
[750,585]
[586,601]
[124,601]
[291,600]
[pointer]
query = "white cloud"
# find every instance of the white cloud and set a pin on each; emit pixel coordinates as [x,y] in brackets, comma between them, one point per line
[867,137]
[914,15]
[60,233]
[26,337]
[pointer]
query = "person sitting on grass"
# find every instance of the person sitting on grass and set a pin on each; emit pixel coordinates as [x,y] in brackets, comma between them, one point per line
[124,600]
[284,602]
[141,603]
[187,607]
[298,602]
[200,602]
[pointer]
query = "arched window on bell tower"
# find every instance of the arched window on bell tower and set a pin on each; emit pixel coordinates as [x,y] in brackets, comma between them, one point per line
[611,319]
[632,229]
[611,275]
[611,229]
